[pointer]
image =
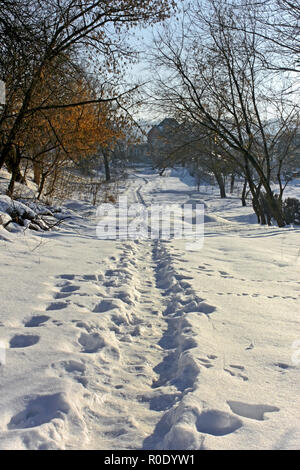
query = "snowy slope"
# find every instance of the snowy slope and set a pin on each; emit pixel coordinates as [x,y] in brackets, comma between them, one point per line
[143,344]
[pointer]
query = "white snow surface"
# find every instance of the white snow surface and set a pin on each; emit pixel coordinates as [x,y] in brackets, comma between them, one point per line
[141,344]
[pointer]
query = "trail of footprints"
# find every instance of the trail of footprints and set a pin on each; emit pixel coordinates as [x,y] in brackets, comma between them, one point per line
[176,372]
[181,368]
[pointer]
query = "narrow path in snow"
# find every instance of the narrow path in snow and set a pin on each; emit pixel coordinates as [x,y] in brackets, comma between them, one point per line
[124,350]
[148,369]
[144,345]
[151,368]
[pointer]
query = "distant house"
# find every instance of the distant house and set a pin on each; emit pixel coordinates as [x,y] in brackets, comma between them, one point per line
[162,131]
[161,140]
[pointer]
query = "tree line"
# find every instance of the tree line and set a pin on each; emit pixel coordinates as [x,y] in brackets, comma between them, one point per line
[228,72]
[62,63]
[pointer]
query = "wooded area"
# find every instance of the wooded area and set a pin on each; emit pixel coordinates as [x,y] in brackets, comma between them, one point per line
[62,65]
[229,74]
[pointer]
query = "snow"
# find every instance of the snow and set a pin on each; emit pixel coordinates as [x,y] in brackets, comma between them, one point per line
[9,206]
[142,344]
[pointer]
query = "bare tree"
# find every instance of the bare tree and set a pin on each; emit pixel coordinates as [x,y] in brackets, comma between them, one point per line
[213,75]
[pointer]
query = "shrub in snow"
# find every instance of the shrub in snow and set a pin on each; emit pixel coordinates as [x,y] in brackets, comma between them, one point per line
[265,205]
[272,209]
[291,210]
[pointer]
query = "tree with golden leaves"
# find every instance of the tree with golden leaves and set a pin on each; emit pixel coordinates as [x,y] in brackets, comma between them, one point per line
[36,34]
[56,138]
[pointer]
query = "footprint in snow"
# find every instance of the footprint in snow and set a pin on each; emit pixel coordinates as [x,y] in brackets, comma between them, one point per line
[108,304]
[217,423]
[57,306]
[91,343]
[66,291]
[23,341]
[73,366]
[36,321]
[90,277]
[206,308]
[75,369]
[60,295]
[70,288]
[162,402]
[40,410]
[236,366]
[207,362]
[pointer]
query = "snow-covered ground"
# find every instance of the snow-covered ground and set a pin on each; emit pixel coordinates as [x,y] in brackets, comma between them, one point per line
[109,344]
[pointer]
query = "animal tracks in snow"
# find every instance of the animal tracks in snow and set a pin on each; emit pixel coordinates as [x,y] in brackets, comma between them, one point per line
[133,338]
[236,371]
[146,357]
[255,295]
[207,270]
[207,362]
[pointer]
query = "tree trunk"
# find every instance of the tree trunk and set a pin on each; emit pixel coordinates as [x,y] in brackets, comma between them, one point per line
[106,165]
[232,179]
[244,192]
[25,171]
[13,165]
[255,192]
[36,173]
[258,209]
[275,207]
[220,181]
[6,148]
[41,184]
